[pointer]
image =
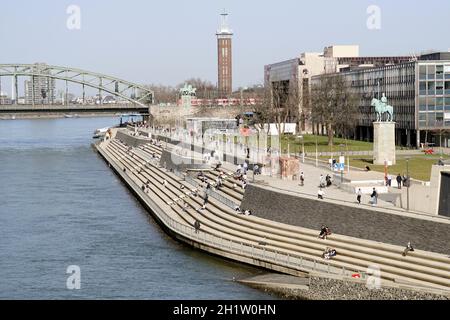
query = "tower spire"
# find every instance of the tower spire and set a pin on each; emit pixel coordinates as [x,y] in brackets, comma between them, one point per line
[224,59]
[224,28]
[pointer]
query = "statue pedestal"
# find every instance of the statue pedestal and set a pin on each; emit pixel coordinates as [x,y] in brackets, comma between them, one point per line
[383,143]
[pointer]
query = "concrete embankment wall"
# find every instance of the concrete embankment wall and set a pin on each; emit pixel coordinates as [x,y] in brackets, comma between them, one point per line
[129,140]
[348,220]
[173,161]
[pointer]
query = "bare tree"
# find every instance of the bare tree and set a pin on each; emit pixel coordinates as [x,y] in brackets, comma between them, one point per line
[163,94]
[334,105]
[263,108]
[279,104]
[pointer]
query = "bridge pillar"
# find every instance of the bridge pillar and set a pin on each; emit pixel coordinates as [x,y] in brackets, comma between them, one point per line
[16,89]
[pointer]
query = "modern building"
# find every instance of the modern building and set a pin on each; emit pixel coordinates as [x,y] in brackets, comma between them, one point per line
[295,75]
[39,89]
[4,99]
[224,58]
[419,92]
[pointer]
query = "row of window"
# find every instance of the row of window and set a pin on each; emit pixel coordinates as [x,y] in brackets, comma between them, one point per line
[432,71]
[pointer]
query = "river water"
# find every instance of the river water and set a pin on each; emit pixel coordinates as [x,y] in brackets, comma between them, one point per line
[60,205]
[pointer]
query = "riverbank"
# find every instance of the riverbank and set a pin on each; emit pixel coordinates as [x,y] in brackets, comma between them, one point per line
[253,240]
[335,289]
[41,115]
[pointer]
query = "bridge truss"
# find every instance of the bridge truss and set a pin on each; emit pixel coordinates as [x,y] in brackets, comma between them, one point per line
[129,91]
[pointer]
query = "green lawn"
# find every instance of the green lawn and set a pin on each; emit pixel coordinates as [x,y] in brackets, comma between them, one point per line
[419,165]
[295,144]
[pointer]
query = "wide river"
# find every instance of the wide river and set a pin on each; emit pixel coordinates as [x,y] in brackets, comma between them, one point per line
[60,205]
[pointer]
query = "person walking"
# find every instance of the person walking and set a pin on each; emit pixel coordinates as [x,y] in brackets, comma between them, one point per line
[197,226]
[389,180]
[321,181]
[399,181]
[255,169]
[320,193]
[359,195]
[302,179]
[374,197]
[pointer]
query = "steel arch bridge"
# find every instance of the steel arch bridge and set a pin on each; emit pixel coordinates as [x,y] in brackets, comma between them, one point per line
[132,92]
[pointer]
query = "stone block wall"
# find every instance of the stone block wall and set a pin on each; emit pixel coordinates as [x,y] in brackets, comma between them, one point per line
[348,220]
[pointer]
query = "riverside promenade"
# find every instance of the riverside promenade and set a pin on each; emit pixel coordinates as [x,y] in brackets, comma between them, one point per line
[175,200]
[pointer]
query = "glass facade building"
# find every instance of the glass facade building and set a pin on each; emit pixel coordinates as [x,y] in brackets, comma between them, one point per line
[419,92]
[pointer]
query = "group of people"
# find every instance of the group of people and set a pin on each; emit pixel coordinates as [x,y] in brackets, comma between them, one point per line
[373,196]
[241,174]
[324,182]
[209,185]
[329,252]
[402,180]
[244,212]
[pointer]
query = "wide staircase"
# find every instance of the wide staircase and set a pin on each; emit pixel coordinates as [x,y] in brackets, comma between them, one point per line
[280,244]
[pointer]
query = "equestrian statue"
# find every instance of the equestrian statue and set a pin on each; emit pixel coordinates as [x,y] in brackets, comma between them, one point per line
[381,107]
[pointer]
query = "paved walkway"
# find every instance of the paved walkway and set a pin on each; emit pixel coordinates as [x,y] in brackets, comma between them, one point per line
[311,185]
[312,177]
[312,174]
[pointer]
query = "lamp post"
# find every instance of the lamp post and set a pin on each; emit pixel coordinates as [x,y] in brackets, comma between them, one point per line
[343,162]
[303,147]
[317,155]
[242,102]
[407,183]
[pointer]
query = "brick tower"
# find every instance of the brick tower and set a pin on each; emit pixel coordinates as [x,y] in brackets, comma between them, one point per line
[224,61]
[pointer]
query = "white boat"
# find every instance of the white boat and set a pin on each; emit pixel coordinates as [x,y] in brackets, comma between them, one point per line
[99,133]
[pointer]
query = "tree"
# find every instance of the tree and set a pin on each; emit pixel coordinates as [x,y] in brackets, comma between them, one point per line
[278,104]
[163,94]
[334,105]
[263,108]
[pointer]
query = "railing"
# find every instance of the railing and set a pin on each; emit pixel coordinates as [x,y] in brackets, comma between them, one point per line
[179,175]
[192,182]
[229,203]
[325,164]
[260,252]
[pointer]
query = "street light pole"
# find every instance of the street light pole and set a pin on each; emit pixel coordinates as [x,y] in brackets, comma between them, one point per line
[242,104]
[407,184]
[303,149]
[317,156]
[343,163]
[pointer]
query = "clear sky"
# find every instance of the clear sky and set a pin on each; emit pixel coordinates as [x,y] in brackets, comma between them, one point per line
[168,41]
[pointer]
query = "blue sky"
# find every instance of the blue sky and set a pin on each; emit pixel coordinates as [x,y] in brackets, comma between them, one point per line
[171,40]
